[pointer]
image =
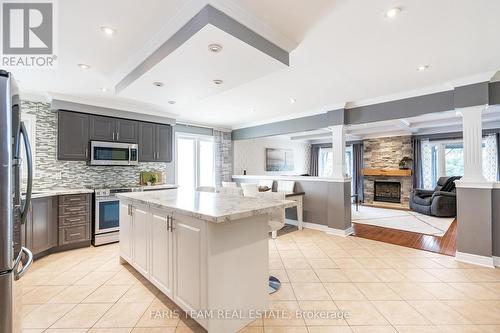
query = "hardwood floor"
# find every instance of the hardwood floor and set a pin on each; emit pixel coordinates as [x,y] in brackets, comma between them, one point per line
[444,245]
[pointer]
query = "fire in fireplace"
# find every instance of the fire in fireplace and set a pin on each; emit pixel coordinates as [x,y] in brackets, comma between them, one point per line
[387,191]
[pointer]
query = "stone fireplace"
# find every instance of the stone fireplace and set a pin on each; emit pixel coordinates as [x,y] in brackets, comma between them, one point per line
[385,153]
[387,191]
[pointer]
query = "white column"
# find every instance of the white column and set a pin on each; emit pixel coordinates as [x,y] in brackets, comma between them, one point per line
[338,150]
[473,143]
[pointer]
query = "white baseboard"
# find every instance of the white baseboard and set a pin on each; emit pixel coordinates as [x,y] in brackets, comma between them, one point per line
[324,228]
[475,259]
[496,261]
[340,232]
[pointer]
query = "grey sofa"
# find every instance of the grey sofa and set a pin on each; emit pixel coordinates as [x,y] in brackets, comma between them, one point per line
[436,202]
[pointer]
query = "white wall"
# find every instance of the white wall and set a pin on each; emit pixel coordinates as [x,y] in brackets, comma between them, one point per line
[250,155]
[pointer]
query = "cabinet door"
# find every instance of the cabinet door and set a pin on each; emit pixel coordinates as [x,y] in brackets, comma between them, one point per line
[188,262]
[125,232]
[102,128]
[72,136]
[161,253]
[44,224]
[147,149]
[127,131]
[163,143]
[141,241]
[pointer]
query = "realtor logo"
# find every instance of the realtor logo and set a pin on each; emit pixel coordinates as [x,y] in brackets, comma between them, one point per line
[28,32]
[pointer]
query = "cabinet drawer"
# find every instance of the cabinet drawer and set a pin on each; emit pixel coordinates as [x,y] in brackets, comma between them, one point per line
[73,220]
[74,234]
[72,210]
[74,199]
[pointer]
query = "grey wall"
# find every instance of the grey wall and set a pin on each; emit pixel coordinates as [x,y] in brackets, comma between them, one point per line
[74,173]
[496,222]
[465,96]
[325,203]
[474,216]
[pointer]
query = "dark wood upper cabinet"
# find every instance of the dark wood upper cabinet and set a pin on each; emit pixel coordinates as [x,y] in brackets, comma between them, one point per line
[75,130]
[113,129]
[102,128]
[155,142]
[127,131]
[163,143]
[73,136]
[147,142]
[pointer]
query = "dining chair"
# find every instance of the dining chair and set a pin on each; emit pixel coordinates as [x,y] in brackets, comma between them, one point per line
[287,186]
[249,190]
[231,191]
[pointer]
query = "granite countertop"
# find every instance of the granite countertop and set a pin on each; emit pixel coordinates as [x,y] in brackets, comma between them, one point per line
[212,207]
[55,191]
[58,191]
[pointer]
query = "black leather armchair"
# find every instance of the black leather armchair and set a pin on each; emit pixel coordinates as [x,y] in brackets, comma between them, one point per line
[435,202]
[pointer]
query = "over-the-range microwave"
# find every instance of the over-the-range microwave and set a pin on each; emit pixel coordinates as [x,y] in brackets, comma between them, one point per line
[113,153]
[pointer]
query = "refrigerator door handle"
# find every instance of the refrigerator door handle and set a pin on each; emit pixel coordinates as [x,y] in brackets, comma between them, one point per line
[26,266]
[29,161]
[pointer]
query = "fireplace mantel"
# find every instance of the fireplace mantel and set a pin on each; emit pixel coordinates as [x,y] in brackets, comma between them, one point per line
[386,172]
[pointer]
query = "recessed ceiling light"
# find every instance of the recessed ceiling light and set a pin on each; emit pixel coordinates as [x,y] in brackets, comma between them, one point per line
[171,102]
[217,82]
[252,110]
[158,84]
[104,89]
[293,100]
[215,48]
[108,31]
[393,12]
[83,66]
[422,68]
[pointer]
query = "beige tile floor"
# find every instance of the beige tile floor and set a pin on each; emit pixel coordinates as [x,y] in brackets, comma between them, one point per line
[382,288]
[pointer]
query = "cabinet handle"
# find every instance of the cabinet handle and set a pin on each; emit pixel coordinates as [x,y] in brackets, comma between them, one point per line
[73,220]
[73,209]
[113,136]
[168,223]
[75,234]
[172,224]
[117,136]
[86,152]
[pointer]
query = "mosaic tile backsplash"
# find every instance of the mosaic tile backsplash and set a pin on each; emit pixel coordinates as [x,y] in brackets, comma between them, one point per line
[50,172]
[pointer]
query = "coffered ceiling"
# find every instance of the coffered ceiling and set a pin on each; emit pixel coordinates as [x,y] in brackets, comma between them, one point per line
[341,51]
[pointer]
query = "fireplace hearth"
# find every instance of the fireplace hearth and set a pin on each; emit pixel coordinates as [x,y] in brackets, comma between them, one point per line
[386,191]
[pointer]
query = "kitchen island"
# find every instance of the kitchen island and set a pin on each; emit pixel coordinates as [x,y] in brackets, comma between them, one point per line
[205,251]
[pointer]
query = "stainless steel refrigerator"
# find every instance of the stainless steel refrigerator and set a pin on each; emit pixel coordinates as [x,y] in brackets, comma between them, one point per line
[14,258]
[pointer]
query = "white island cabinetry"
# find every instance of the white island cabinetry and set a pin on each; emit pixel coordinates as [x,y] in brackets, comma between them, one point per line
[207,253]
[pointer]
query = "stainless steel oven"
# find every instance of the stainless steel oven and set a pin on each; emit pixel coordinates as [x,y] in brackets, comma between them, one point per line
[107,215]
[113,153]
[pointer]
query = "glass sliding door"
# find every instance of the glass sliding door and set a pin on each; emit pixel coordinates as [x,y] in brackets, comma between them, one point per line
[195,161]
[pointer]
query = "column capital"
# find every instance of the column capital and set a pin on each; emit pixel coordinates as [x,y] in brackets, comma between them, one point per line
[476,109]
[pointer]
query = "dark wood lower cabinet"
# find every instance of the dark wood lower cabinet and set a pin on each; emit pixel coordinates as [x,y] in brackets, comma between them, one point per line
[74,218]
[41,225]
[57,222]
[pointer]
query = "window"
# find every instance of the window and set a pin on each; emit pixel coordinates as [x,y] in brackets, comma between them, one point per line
[446,158]
[195,161]
[325,163]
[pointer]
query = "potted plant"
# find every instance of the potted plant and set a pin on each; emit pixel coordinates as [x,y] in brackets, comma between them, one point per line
[405,163]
